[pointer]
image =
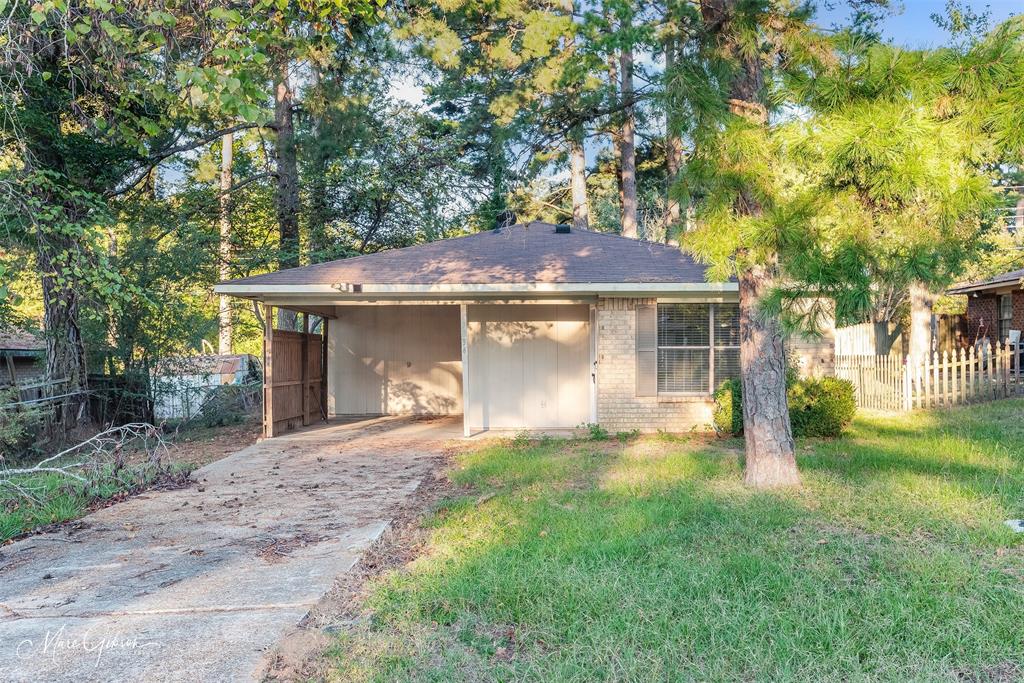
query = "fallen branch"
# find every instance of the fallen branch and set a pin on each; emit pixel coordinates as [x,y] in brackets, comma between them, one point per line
[89,456]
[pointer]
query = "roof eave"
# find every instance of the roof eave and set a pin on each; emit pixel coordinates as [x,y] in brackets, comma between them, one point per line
[984,286]
[342,290]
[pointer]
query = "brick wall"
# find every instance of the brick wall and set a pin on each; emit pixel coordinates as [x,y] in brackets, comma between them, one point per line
[985,308]
[981,315]
[618,406]
[1018,310]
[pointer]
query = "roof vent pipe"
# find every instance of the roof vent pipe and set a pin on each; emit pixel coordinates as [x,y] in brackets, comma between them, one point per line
[562,229]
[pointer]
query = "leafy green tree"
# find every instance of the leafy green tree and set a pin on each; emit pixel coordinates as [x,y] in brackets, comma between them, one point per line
[99,93]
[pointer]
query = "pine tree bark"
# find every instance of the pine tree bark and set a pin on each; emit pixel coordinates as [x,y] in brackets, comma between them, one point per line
[768,434]
[225,329]
[673,153]
[627,146]
[287,192]
[920,342]
[615,132]
[578,181]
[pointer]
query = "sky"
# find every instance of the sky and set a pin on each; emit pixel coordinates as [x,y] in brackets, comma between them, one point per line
[912,25]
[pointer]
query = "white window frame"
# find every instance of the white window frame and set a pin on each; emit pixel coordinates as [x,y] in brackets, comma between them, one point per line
[1004,318]
[710,347]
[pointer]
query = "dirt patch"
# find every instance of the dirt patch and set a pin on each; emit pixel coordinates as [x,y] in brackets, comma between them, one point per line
[1003,672]
[300,654]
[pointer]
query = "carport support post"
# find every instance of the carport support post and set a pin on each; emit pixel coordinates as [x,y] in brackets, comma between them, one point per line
[268,370]
[464,330]
[305,370]
[323,368]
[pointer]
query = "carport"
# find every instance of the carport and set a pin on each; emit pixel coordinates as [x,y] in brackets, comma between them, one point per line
[516,365]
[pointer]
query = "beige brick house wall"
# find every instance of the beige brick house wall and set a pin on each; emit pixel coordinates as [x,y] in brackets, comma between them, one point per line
[618,406]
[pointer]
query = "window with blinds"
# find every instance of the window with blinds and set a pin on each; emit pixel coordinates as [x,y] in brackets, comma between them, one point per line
[698,347]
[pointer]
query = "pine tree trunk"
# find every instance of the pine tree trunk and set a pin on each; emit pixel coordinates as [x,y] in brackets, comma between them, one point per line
[287,195]
[226,181]
[921,301]
[673,153]
[578,178]
[627,147]
[770,452]
[614,132]
[318,213]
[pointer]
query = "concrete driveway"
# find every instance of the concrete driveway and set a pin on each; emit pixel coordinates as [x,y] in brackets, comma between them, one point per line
[197,584]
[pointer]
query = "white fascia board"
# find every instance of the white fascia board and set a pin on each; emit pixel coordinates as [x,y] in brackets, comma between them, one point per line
[606,288]
[989,287]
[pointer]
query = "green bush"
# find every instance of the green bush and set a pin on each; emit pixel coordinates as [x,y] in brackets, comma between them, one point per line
[817,407]
[728,415]
[821,407]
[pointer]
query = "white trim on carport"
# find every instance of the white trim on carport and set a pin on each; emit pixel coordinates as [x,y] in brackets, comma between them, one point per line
[582,288]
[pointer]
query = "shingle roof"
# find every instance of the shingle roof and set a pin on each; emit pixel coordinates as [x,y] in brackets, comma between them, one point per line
[20,340]
[203,365]
[525,253]
[1000,280]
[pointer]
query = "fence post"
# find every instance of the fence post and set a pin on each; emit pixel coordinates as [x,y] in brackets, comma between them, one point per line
[1005,353]
[908,401]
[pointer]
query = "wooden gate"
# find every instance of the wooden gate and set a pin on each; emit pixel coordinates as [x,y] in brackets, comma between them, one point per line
[294,381]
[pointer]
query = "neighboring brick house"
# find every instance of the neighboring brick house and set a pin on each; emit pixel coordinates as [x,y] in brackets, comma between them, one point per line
[995,307]
[533,326]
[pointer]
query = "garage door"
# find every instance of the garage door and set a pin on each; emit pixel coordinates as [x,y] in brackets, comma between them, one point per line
[529,366]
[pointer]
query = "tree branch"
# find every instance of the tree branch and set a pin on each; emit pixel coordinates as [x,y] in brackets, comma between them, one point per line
[154,160]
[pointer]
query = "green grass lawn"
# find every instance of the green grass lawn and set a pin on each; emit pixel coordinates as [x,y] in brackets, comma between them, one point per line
[649,560]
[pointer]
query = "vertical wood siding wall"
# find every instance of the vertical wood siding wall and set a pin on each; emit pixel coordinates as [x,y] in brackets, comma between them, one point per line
[529,366]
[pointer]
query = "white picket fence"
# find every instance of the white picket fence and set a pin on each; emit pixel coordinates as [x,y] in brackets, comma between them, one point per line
[971,375]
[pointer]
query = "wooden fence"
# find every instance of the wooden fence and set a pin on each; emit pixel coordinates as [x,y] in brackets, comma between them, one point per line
[949,333]
[971,375]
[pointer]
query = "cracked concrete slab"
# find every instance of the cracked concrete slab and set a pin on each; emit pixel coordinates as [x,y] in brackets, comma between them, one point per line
[199,583]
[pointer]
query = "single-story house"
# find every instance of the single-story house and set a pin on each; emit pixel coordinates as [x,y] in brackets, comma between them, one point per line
[532,326]
[995,306]
[22,355]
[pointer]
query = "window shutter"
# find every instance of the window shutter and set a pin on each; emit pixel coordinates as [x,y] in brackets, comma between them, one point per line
[646,350]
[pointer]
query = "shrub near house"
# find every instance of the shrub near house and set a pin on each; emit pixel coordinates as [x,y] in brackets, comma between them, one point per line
[817,407]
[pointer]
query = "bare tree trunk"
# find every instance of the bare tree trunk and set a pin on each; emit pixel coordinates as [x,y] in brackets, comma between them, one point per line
[770,452]
[673,153]
[287,195]
[578,178]
[226,180]
[627,147]
[65,350]
[920,337]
